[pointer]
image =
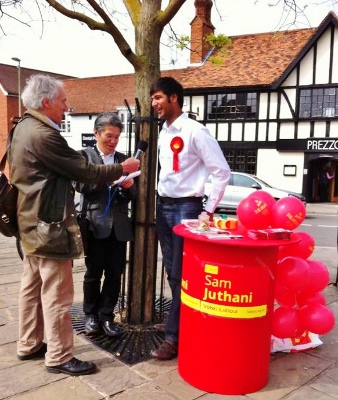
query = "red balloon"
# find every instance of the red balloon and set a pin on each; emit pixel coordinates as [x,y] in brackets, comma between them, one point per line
[284,296]
[265,197]
[254,212]
[316,318]
[293,273]
[288,213]
[319,276]
[305,298]
[302,249]
[285,323]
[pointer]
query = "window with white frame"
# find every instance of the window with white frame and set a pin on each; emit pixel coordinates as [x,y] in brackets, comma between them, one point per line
[65,125]
[127,138]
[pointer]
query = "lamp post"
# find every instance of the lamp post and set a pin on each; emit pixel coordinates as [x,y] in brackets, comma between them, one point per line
[19,82]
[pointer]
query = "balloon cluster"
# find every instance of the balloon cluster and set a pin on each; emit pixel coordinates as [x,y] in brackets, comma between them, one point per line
[301,303]
[260,210]
[299,281]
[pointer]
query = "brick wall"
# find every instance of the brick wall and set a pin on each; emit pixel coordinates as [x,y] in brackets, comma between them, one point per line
[8,110]
[201,26]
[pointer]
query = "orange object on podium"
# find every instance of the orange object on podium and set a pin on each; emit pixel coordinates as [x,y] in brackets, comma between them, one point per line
[227,303]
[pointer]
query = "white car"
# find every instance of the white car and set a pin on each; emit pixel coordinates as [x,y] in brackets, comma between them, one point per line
[241,185]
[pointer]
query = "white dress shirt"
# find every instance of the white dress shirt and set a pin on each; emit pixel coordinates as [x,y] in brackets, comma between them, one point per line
[200,157]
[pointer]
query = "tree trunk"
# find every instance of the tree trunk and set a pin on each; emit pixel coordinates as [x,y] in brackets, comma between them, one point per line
[142,279]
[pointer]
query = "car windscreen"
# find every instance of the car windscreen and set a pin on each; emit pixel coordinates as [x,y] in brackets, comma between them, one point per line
[262,182]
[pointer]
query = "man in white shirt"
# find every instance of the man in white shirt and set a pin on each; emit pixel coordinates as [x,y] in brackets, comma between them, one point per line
[188,154]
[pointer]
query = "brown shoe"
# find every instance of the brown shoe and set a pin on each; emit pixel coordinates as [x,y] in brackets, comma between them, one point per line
[166,351]
[160,327]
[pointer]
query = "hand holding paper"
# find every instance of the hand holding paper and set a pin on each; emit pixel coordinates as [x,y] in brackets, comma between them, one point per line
[124,178]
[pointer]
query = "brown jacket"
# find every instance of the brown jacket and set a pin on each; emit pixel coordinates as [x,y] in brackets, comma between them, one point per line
[42,166]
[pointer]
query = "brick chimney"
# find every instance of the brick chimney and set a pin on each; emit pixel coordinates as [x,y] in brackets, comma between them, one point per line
[201,26]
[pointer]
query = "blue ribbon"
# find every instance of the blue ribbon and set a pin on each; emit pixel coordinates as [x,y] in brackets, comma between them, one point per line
[112,191]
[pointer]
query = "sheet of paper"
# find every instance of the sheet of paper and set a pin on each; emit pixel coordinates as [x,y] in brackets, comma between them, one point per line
[124,178]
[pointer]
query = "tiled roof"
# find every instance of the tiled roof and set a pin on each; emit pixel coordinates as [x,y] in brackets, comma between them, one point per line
[9,77]
[92,95]
[252,60]
[257,60]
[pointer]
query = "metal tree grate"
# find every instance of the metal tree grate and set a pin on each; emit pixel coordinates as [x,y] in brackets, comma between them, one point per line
[133,346]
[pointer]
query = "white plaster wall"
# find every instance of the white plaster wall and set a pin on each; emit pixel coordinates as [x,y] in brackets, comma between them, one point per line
[285,111]
[79,124]
[304,130]
[323,59]
[197,106]
[263,106]
[262,129]
[334,129]
[249,132]
[270,167]
[335,57]
[319,129]
[287,130]
[273,106]
[236,132]
[291,80]
[223,132]
[306,69]
[272,131]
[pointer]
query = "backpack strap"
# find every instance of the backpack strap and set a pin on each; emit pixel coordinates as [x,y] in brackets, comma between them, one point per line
[9,141]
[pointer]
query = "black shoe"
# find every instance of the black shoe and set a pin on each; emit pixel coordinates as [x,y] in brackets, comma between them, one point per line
[73,367]
[92,324]
[112,329]
[37,354]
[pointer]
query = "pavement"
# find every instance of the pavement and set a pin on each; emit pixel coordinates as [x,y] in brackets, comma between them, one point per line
[309,375]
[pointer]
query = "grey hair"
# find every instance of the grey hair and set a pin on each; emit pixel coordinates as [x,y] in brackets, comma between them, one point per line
[39,87]
[107,118]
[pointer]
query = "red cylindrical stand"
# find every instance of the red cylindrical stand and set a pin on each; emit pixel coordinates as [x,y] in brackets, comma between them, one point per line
[227,303]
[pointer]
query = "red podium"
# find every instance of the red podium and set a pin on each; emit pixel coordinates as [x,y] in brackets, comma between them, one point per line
[227,303]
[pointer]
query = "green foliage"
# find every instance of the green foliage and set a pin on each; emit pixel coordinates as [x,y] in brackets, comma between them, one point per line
[217,61]
[182,42]
[218,41]
[221,43]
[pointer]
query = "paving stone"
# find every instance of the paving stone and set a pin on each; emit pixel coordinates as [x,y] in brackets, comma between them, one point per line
[148,391]
[71,388]
[174,384]
[24,377]
[326,383]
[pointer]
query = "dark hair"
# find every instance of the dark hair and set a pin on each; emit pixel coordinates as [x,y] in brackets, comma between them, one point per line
[107,118]
[168,86]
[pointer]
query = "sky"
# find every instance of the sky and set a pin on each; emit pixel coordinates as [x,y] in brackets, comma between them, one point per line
[67,47]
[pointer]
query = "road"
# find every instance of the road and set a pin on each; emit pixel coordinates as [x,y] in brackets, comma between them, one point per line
[322,227]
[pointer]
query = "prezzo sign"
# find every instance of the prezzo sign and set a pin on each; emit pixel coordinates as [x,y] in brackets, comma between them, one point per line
[309,145]
[322,144]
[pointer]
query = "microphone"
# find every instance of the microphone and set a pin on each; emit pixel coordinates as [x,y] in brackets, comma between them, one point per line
[140,149]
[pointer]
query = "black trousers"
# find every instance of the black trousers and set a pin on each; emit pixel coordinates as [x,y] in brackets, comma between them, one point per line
[105,260]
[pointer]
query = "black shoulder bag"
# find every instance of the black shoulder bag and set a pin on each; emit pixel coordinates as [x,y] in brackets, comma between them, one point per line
[8,198]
